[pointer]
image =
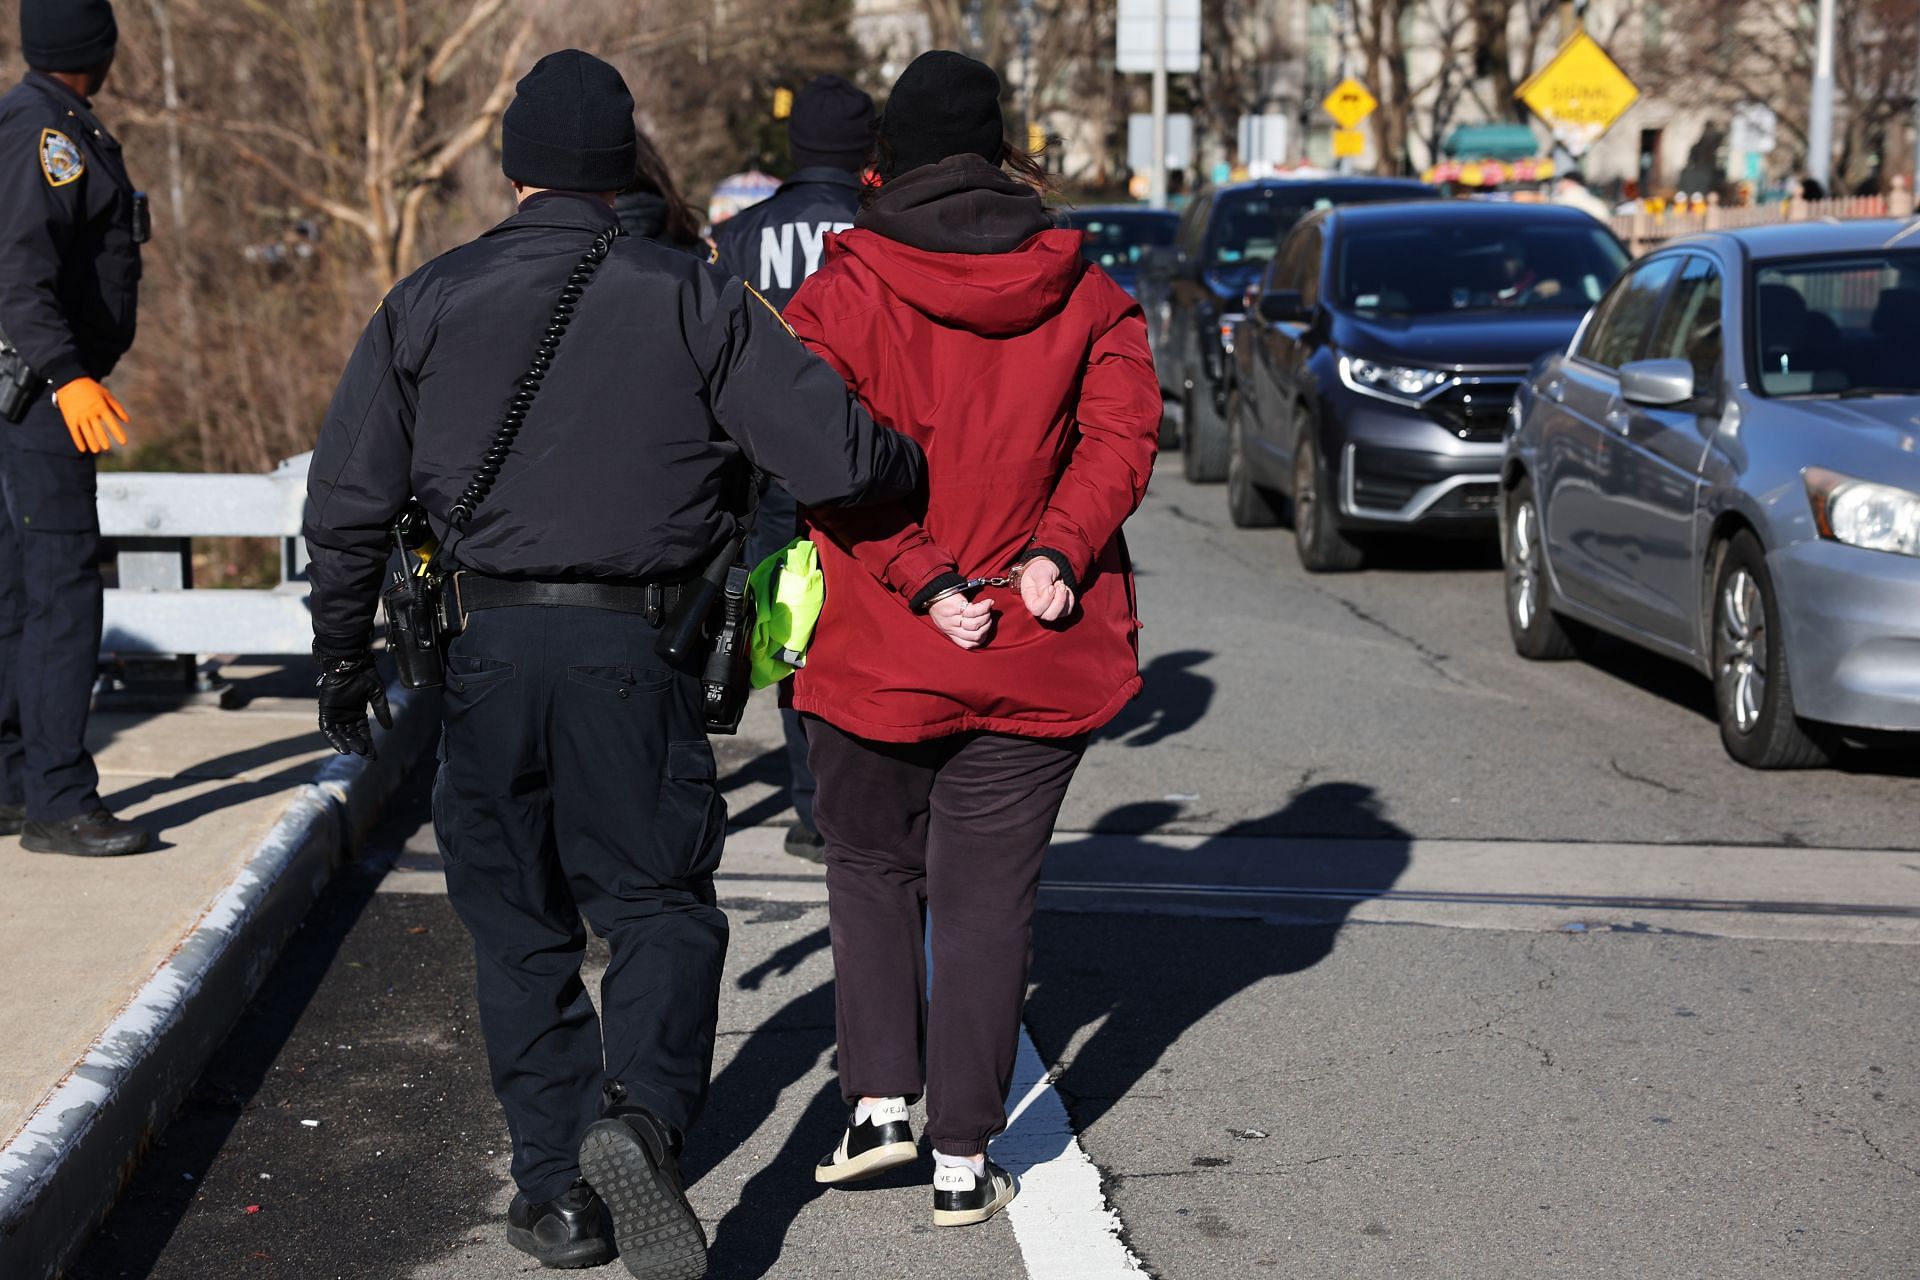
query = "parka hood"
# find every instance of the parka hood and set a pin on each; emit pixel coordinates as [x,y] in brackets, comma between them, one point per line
[967,246]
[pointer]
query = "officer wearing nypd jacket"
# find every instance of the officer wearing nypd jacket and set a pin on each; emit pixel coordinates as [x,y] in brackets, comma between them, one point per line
[576,777]
[70,233]
[774,246]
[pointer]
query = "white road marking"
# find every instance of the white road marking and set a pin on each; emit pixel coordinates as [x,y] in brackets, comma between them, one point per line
[1061,1219]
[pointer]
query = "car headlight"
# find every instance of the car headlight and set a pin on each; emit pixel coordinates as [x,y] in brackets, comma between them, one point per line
[1860,513]
[1391,381]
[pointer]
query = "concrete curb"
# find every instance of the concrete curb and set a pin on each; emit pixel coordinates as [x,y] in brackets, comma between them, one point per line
[63,1171]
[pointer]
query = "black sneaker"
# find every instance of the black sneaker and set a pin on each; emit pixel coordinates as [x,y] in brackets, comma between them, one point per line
[806,843]
[570,1230]
[962,1198]
[884,1141]
[629,1159]
[91,835]
[12,818]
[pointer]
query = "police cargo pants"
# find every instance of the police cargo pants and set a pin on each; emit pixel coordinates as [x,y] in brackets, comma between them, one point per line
[50,600]
[575,779]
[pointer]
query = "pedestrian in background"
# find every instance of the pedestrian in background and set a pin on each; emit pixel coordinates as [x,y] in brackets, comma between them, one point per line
[774,246]
[70,236]
[1571,189]
[652,207]
[946,718]
[576,776]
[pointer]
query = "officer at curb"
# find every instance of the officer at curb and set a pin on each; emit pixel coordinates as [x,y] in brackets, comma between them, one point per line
[70,233]
[575,773]
[774,246]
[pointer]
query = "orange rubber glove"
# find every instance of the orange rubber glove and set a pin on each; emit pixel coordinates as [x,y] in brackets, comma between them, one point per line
[91,412]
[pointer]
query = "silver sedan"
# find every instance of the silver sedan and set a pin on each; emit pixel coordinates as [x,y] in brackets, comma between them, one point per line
[1724,467]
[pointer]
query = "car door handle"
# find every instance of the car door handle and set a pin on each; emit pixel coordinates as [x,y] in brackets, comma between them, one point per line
[1557,390]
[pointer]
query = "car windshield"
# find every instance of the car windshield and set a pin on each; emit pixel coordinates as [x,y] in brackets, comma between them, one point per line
[1121,239]
[1498,265]
[1248,226]
[1838,326]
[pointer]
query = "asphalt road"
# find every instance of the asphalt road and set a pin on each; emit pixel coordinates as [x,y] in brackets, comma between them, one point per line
[1676,1092]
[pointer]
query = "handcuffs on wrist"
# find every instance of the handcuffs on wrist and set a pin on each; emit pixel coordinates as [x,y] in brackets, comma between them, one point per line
[1011,578]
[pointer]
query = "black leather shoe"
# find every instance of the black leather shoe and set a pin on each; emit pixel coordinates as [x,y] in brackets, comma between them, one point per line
[570,1230]
[12,818]
[629,1158]
[91,835]
[804,842]
[884,1141]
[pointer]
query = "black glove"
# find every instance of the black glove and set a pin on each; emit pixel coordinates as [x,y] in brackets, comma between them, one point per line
[348,686]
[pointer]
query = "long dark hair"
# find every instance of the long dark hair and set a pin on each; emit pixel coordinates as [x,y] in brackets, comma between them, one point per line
[652,176]
[1026,166]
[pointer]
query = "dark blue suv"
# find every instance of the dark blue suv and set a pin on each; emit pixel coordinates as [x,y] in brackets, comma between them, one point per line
[1227,236]
[1373,373]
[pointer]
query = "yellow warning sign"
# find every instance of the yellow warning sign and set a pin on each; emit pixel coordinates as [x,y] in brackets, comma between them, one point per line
[1580,93]
[1349,142]
[1349,103]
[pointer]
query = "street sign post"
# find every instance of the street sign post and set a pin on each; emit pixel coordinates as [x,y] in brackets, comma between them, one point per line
[1135,36]
[1349,103]
[1579,94]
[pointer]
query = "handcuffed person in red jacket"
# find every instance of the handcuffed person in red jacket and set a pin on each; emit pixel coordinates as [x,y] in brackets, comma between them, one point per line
[948,716]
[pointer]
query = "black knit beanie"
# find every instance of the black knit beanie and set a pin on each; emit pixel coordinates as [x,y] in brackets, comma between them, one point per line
[570,126]
[67,35]
[832,124]
[944,104]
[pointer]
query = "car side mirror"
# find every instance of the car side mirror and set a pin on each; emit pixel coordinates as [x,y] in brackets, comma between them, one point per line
[1658,384]
[1282,306]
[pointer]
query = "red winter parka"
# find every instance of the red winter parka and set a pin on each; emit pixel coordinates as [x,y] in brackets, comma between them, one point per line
[960,317]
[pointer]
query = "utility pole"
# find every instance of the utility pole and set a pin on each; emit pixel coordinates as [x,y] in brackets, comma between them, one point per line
[1820,120]
[1157,191]
[1026,65]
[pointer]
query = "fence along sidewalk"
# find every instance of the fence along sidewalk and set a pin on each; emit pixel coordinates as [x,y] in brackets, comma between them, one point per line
[1641,230]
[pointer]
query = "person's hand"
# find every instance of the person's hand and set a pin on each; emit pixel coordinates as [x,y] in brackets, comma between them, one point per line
[968,623]
[91,413]
[1045,595]
[348,686]
[1547,289]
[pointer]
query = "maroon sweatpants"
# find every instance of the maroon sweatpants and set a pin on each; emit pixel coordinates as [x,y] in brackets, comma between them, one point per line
[955,830]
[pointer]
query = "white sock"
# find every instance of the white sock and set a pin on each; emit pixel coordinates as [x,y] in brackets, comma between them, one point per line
[880,1110]
[976,1163]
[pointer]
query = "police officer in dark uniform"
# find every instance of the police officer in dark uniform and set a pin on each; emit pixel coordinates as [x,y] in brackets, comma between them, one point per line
[774,246]
[69,275]
[576,775]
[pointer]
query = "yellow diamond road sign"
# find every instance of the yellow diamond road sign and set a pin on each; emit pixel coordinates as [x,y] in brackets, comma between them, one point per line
[1349,103]
[1580,93]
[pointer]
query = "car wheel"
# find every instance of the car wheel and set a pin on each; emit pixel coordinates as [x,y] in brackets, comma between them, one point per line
[1250,505]
[1169,425]
[1323,546]
[1203,444]
[1536,630]
[1751,687]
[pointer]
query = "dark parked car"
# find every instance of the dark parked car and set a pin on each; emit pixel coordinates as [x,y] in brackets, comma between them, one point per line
[1119,237]
[1227,236]
[1722,469]
[1373,378]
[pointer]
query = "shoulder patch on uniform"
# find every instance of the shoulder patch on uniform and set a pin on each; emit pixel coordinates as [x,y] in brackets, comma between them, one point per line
[769,306]
[60,160]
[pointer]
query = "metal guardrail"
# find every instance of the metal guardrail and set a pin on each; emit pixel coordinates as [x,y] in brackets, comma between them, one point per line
[152,518]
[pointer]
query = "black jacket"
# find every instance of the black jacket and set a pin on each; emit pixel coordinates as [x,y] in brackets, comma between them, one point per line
[628,461]
[69,268]
[776,244]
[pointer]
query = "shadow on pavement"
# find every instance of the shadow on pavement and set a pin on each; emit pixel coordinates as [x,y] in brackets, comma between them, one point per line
[1148,979]
[1174,699]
